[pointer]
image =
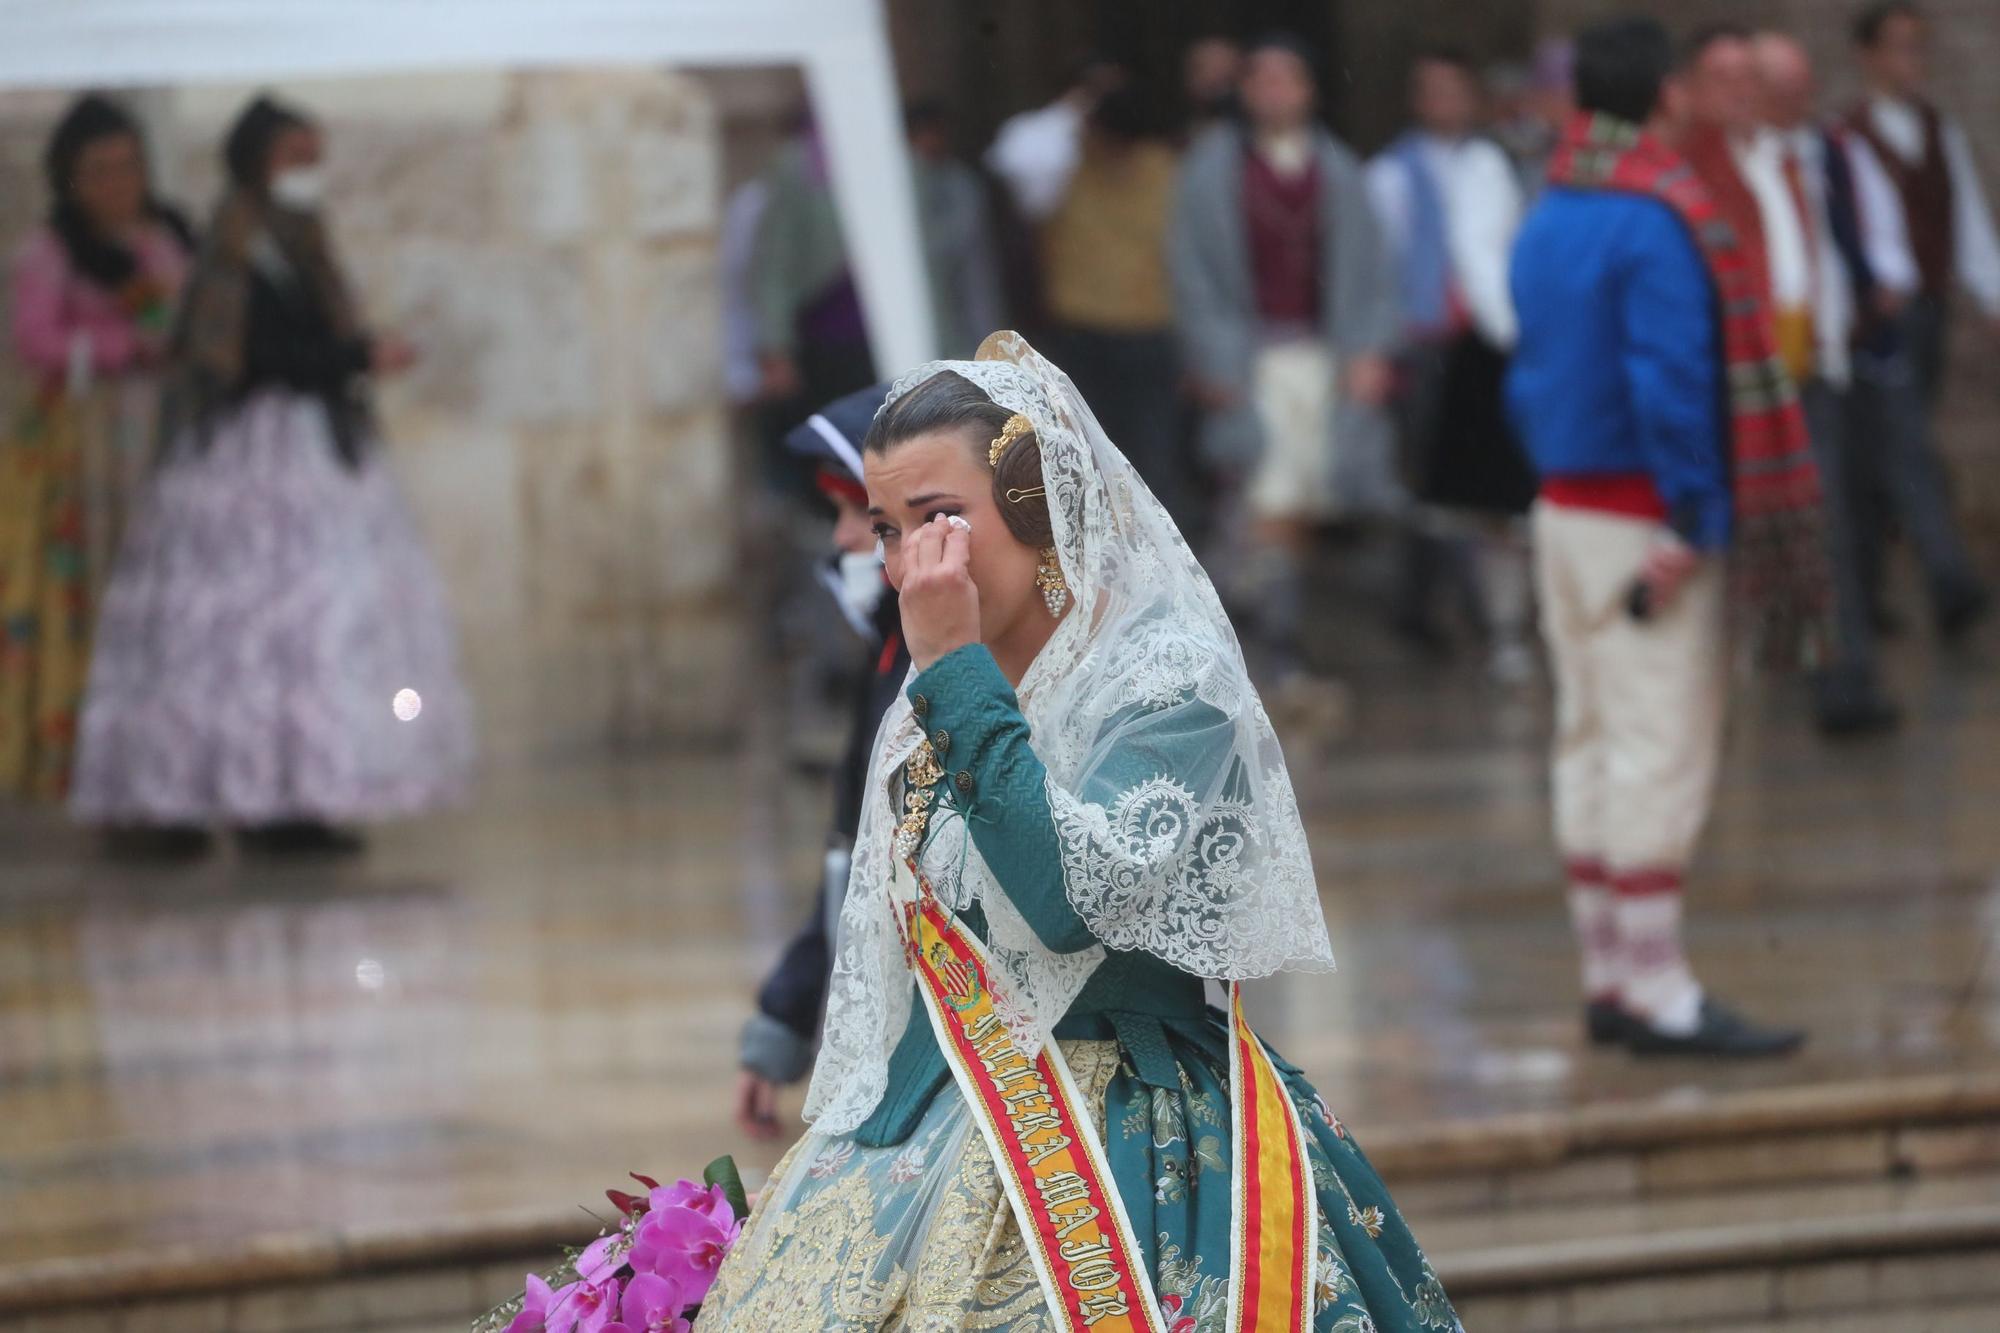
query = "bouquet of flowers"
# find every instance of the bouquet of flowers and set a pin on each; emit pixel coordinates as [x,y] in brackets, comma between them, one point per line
[649,1274]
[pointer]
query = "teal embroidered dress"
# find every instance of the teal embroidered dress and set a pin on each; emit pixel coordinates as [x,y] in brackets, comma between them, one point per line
[903,1223]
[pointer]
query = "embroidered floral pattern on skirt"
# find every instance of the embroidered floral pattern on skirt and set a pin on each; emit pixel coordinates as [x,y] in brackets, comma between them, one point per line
[920,1236]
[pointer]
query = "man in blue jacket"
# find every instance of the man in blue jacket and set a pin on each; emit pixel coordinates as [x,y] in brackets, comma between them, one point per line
[1616,390]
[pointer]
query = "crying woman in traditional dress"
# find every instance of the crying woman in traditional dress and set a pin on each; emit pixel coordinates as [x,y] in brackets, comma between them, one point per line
[1026,1113]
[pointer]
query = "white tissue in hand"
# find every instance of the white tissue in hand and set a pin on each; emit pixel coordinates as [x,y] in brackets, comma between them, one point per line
[958,521]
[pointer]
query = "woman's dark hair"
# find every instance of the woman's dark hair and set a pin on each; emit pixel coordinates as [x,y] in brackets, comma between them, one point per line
[246,152]
[949,401]
[91,119]
[1621,64]
[1868,24]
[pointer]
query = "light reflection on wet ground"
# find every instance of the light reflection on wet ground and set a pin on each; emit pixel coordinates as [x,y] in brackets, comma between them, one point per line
[499,1012]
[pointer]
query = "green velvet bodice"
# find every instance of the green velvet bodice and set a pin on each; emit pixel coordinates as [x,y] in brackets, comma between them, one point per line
[969,712]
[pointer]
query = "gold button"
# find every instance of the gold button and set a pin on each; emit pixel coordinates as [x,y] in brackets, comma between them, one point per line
[920,705]
[941,741]
[963,781]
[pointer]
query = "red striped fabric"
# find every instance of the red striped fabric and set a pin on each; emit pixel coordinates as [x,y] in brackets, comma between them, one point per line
[1778,555]
[1646,883]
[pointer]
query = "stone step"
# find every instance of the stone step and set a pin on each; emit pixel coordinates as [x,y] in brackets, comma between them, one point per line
[1873,1206]
[1822,1207]
[1895,1260]
[1895,1130]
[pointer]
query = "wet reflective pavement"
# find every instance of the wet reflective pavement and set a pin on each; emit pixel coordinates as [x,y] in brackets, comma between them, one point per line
[496,1014]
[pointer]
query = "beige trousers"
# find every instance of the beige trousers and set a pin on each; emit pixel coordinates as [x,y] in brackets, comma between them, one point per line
[1294,388]
[1639,704]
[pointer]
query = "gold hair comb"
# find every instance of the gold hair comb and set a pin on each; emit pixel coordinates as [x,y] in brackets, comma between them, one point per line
[1017,426]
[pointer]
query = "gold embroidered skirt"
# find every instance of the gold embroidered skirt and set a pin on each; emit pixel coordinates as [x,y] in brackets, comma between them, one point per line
[920,1236]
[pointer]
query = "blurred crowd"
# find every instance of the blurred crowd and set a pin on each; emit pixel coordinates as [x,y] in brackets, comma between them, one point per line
[1287,338]
[1640,337]
[209,585]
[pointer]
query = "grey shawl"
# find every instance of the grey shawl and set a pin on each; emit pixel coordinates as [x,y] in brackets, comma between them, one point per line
[1216,307]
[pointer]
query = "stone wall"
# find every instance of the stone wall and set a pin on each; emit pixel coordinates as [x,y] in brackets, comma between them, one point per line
[549,240]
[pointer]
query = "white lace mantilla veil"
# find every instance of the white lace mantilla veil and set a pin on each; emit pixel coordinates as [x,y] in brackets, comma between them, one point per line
[1205,867]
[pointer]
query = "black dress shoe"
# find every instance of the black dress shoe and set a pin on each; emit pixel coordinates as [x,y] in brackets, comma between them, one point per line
[304,838]
[166,843]
[1960,609]
[1605,1023]
[1869,715]
[1722,1032]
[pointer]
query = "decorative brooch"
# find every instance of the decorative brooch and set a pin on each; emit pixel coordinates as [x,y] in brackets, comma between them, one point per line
[1017,426]
[921,774]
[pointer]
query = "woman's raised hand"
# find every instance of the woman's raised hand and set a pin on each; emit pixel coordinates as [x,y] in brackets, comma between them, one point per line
[940,604]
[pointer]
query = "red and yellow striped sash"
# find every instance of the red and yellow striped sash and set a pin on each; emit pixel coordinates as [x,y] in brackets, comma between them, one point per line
[1274,1231]
[1042,1136]
[1044,1140]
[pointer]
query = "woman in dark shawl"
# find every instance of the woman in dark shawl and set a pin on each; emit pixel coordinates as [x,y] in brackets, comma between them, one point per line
[275,654]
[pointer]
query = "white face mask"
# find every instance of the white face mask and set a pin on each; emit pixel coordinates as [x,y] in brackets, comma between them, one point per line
[861,582]
[299,188]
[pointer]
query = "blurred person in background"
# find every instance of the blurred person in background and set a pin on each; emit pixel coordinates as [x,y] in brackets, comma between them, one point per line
[1926,228]
[1636,308]
[1796,177]
[1510,118]
[1033,156]
[776,1046]
[1036,152]
[92,297]
[952,213]
[1449,208]
[1104,268]
[274,652]
[1529,106]
[1211,67]
[736,252]
[1724,139]
[812,339]
[807,345]
[812,344]
[1286,309]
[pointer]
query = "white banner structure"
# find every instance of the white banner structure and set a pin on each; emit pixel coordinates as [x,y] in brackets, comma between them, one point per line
[841,44]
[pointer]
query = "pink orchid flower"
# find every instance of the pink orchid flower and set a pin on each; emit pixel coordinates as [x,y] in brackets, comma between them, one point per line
[653,1305]
[711,1201]
[603,1257]
[582,1307]
[534,1308]
[683,1246]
